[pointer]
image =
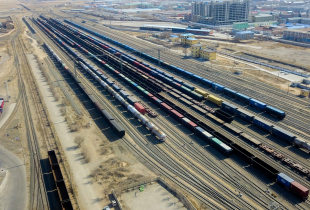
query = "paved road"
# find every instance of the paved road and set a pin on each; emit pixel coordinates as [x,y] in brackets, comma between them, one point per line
[13,190]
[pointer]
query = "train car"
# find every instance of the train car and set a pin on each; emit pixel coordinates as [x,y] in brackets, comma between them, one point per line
[258,104]
[189,124]
[229,107]
[299,190]
[218,87]
[206,82]
[275,112]
[222,147]
[203,134]
[245,115]
[229,92]
[215,100]
[265,168]
[243,98]
[282,134]
[250,139]
[118,129]
[201,92]
[224,116]
[262,124]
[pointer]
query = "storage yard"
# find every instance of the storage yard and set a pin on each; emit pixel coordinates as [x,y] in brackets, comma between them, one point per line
[106,120]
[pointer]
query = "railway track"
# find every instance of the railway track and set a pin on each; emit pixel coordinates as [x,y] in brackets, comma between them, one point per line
[112,106]
[38,195]
[253,88]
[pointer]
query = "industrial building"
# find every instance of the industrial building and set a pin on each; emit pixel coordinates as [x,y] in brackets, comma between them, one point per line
[244,35]
[195,50]
[262,18]
[188,39]
[208,54]
[296,35]
[221,12]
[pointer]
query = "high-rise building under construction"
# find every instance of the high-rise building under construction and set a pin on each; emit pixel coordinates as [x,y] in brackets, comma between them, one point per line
[221,12]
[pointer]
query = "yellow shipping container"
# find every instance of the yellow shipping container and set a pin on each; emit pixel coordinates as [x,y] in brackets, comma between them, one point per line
[201,92]
[215,100]
[304,92]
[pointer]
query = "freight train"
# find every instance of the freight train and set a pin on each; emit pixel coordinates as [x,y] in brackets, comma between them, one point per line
[29,26]
[59,181]
[234,94]
[198,94]
[113,123]
[207,133]
[266,126]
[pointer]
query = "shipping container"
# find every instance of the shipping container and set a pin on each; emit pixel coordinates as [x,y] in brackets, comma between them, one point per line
[140,108]
[229,107]
[110,82]
[178,81]
[245,115]
[207,82]
[275,112]
[284,180]
[262,124]
[229,92]
[166,107]
[217,87]
[116,88]
[221,146]
[243,98]
[132,100]
[190,87]
[124,94]
[278,132]
[258,104]
[201,92]
[215,100]
[203,134]
[176,115]
[299,190]
[196,96]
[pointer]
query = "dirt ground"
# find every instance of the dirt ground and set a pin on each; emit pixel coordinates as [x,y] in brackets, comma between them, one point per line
[105,165]
[153,197]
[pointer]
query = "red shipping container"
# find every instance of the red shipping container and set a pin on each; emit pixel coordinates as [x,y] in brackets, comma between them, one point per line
[140,108]
[117,72]
[136,63]
[177,114]
[154,98]
[150,95]
[192,124]
[299,190]
[103,62]
[166,106]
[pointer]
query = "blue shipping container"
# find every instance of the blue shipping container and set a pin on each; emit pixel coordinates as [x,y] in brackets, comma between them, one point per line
[284,180]
[244,115]
[217,87]
[207,82]
[188,73]
[258,104]
[243,98]
[275,112]
[178,81]
[229,107]
[262,124]
[229,92]
[289,137]
[168,75]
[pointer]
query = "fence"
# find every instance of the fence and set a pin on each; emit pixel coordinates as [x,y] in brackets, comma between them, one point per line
[176,192]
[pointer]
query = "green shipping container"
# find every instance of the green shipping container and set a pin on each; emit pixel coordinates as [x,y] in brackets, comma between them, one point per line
[185,89]
[196,95]
[215,140]
[146,92]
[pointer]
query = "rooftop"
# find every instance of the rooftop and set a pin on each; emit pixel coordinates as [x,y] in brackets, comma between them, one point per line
[209,51]
[190,38]
[244,32]
[188,34]
[197,45]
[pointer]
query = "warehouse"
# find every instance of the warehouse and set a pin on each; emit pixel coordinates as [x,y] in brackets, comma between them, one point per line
[244,35]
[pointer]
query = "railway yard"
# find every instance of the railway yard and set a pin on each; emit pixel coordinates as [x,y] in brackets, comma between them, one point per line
[98,116]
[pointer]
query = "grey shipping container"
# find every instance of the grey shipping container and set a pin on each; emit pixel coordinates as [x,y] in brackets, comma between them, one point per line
[289,137]
[189,86]
[186,97]
[245,115]
[110,82]
[132,100]
[117,128]
[124,93]
[284,180]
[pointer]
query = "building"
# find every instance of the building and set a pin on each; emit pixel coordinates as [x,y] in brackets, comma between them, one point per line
[262,18]
[191,41]
[296,35]
[199,32]
[184,37]
[196,49]
[221,12]
[173,38]
[241,25]
[208,54]
[244,35]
